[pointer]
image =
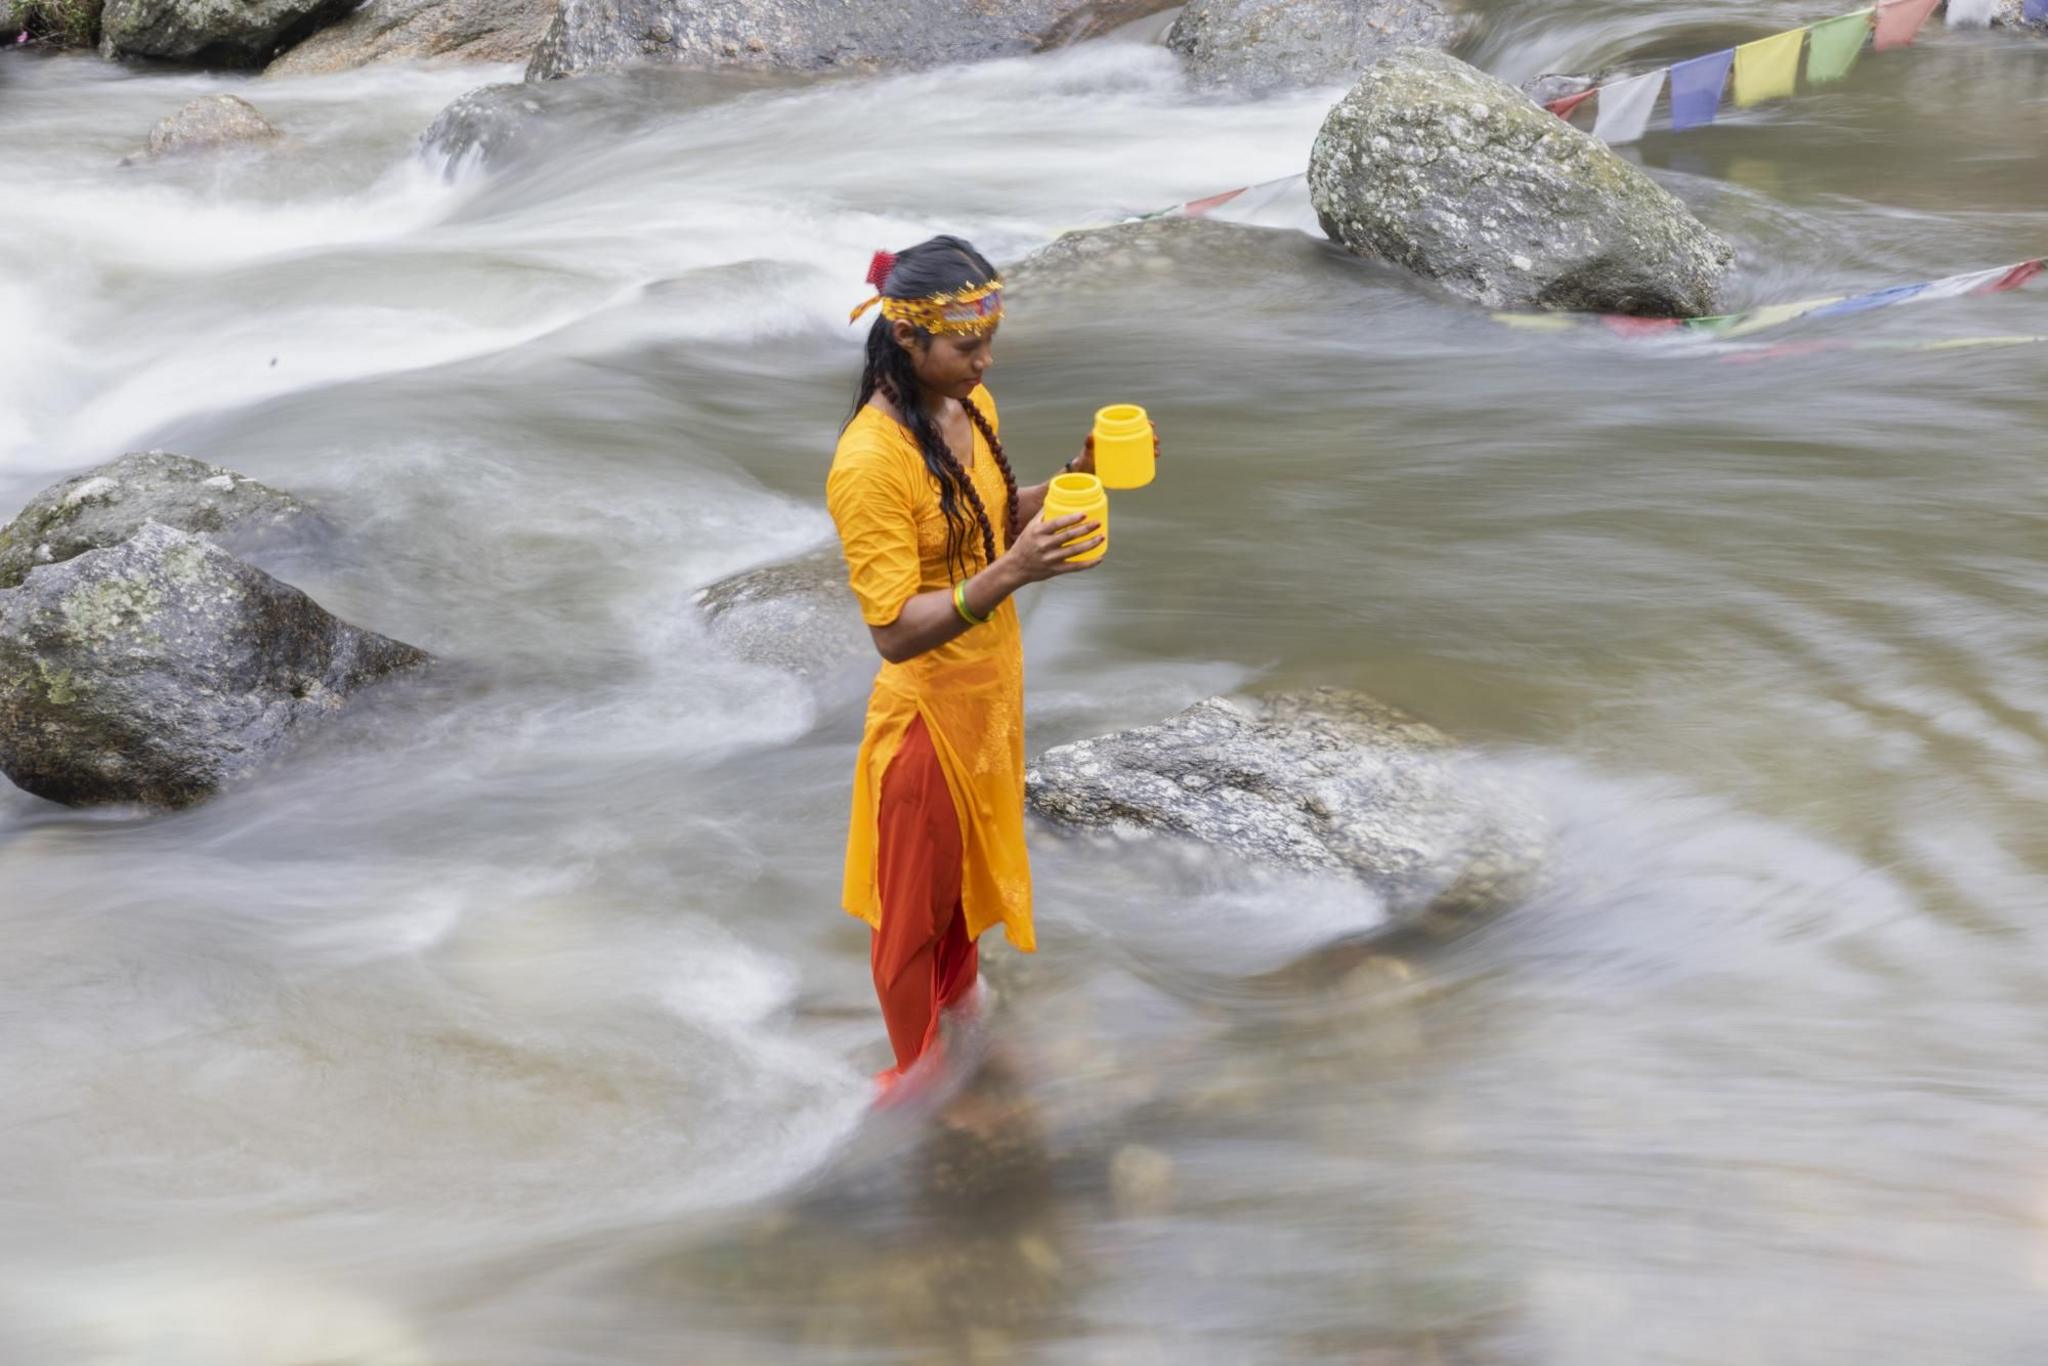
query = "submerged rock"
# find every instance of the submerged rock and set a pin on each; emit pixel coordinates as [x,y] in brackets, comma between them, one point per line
[1554,86]
[2012,14]
[156,670]
[1323,780]
[488,124]
[499,125]
[798,616]
[435,32]
[208,33]
[208,122]
[1443,169]
[108,504]
[1261,44]
[1116,256]
[817,35]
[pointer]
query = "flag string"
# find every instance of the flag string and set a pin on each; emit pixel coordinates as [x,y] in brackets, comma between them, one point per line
[1731,326]
[1764,70]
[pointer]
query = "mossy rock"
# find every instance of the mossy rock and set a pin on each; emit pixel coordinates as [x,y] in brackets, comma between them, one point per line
[1439,167]
[64,23]
[106,505]
[158,669]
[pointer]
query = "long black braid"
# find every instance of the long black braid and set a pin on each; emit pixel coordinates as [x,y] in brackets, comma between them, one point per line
[940,265]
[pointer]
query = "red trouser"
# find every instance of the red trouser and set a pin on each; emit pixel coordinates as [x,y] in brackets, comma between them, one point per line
[922,957]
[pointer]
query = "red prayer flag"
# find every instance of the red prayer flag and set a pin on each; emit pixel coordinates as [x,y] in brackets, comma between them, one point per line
[1563,108]
[1623,325]
[1195,208]
[1898,21]
[2013,279]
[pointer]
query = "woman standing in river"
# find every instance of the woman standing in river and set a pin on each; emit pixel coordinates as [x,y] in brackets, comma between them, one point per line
[937,537]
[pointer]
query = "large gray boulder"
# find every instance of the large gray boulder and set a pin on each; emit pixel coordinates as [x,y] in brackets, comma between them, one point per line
[433,32]
[817,35]
[156,670]
[1441,168]
[798,616]
[1322,780]
[219,33]
[108,504]
[1262,44]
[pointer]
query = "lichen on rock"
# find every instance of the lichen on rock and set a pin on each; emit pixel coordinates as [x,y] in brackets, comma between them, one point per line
[157,669]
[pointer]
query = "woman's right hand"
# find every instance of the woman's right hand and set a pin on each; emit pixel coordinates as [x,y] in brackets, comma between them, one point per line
[1040,551]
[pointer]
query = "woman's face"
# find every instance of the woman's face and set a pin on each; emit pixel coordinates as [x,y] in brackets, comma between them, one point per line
[949,364]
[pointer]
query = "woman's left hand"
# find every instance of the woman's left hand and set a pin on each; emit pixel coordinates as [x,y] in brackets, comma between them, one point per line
[1084,463]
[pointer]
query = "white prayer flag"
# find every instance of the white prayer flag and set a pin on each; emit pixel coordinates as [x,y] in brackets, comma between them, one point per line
[1956,286]
[1970,13]
[1623,111]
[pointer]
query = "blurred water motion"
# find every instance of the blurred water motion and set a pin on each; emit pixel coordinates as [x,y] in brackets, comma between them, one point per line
[515,1020]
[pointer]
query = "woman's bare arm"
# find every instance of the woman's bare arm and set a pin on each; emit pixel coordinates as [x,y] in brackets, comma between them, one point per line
[928,620]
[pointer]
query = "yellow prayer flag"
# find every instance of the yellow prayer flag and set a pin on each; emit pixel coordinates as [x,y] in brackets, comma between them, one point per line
[1536,322]
[1771,315]
[1768,69]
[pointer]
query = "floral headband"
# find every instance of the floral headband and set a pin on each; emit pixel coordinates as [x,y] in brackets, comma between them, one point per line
[963,310]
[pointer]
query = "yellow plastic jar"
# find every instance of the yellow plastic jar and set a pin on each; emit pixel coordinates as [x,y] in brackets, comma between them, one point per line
[1123,446]
[1071,493]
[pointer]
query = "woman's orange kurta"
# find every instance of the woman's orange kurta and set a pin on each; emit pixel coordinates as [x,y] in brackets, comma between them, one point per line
[970,690]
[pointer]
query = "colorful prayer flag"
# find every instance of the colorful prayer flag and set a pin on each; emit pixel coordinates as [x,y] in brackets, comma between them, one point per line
[1959,286]
[2014,278]
[1769,316]
[1195,208]
[1899,21]
[1696,86]
[1971,343]
[1836,45]
[1563,107]
[1768,69]
[2035,11]
[1624,112]
[1624,325]
[1863,303]
[1971,13]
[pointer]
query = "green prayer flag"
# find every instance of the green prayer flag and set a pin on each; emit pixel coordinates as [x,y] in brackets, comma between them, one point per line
[1832,47]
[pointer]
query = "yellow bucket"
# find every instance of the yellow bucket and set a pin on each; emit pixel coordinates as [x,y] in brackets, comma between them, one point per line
[1071,493]
[1123,446]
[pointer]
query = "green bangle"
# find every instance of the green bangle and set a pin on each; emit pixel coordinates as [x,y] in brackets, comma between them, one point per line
[960,605]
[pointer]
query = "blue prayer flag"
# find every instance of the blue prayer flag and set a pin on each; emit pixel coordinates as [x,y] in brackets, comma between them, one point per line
[1863,303]
[1696,88]
[2035,12]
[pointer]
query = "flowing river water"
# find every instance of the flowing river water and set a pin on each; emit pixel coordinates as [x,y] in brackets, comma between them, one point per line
[514,1021]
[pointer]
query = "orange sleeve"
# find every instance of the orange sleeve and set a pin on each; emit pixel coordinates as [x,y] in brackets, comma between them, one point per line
[877,520]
